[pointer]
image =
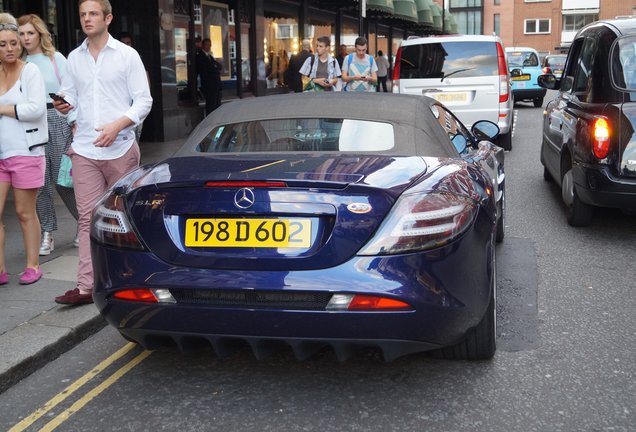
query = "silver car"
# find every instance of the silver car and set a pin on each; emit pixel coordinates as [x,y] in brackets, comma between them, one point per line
[467,73]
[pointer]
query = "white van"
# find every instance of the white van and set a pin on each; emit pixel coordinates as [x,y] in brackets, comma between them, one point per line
[467,73]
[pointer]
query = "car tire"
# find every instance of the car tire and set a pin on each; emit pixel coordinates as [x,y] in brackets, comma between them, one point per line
[579,214]
[501,222]
[480,342]
[538,103]
[546,175]
[505,141]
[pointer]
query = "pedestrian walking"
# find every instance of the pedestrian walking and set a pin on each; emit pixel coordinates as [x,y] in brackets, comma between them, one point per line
[321,68]
[359,71]
[209,71]
[23,135]
[383,71]
[292,75]
[36,41]
[106,85]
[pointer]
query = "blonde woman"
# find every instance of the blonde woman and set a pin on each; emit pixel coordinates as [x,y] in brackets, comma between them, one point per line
[23,134]
[40,51]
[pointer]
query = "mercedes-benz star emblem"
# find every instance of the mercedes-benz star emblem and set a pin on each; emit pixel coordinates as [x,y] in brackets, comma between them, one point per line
[244,198]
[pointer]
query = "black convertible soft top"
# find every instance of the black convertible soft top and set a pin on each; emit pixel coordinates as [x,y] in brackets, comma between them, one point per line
[417,131]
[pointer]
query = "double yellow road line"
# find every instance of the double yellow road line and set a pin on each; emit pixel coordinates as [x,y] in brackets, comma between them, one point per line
[80,403]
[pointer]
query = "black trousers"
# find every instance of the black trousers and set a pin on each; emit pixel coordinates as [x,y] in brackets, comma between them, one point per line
[382,82]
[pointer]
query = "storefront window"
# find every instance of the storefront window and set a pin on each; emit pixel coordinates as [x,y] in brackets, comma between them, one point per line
[246,72]
[280,42]
[349,34]
[216,23]
[321,26]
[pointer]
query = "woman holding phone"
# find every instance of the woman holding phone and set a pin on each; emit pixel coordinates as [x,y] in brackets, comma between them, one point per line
[40,51]
[23,135]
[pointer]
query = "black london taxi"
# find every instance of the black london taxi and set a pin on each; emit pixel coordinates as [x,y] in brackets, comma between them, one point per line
[589,144]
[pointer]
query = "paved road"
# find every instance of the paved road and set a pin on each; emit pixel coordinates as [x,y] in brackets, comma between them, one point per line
[566,358]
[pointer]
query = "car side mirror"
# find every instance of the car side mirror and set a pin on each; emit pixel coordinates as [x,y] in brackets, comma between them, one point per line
[548,81]
[485,130]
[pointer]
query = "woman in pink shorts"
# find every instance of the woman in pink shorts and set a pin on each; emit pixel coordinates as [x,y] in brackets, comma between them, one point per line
[23,134]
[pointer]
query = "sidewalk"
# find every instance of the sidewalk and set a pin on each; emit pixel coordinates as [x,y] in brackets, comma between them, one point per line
[33,328]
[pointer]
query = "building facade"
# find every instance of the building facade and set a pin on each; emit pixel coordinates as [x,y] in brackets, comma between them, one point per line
[547,25]
[253,40]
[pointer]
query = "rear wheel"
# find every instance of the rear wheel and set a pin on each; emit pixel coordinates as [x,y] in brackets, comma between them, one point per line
[505,141]
[579,214]
[480,341]
[538,102]
[546,175]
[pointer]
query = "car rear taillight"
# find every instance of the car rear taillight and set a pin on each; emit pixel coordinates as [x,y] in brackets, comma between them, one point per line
[601,134]
[365,302]
[110,224]
[422,221]
[504,84]
[396,71]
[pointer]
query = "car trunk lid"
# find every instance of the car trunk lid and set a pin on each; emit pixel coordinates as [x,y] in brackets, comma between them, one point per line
[256,214]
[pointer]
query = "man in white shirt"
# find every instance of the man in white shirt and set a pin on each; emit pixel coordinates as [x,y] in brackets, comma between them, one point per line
[106,83]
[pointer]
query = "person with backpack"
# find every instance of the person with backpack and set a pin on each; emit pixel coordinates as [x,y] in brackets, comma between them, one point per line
[359,71]
[321,68]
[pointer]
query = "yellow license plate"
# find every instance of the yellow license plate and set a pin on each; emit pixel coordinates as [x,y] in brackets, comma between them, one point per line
[451,97]
[521,78]
[260,233]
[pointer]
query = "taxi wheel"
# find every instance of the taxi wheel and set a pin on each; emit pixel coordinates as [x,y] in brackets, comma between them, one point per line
[538,103]
[579,214]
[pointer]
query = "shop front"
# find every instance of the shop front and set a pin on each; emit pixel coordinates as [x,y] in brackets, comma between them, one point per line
[252,40]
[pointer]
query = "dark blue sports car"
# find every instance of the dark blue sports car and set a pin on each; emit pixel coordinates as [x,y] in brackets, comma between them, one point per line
[309,221]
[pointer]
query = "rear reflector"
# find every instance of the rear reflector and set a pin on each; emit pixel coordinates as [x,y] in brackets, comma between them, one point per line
[358,302]
[145,295]
[138,295]
[263,184]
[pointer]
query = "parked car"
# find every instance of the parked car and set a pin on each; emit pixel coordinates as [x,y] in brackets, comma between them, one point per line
[554,64]
[310,221]
[589,146]
[524,67]
[468,73]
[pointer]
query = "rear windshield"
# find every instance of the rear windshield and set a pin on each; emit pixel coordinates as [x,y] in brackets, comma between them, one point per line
[443,59]
[292,135]
[522,58]
[555,61]
[624,63]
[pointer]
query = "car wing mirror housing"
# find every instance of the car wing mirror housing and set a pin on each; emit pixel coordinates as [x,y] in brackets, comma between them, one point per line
[485,130]
[548,81]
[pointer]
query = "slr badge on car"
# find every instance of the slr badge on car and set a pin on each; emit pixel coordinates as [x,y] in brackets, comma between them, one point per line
[244,198]
[359,208]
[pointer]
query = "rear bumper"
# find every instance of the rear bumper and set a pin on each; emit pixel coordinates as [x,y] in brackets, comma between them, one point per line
[446,302]
[528,94]
[599,187]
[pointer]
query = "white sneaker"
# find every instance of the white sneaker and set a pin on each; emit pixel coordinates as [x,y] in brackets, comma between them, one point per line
[76,240]
[47,245]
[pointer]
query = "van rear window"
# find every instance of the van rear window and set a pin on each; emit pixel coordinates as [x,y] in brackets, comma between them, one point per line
[441,59]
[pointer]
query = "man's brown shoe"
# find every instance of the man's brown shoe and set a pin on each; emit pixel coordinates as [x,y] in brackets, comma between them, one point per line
[74,297]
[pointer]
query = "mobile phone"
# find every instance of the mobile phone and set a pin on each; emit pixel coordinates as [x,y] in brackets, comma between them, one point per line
[57,97]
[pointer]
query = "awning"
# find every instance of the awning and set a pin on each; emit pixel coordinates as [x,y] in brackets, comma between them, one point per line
[424,14]
[436,10]
[406,10]
[452,27]
[383,6]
